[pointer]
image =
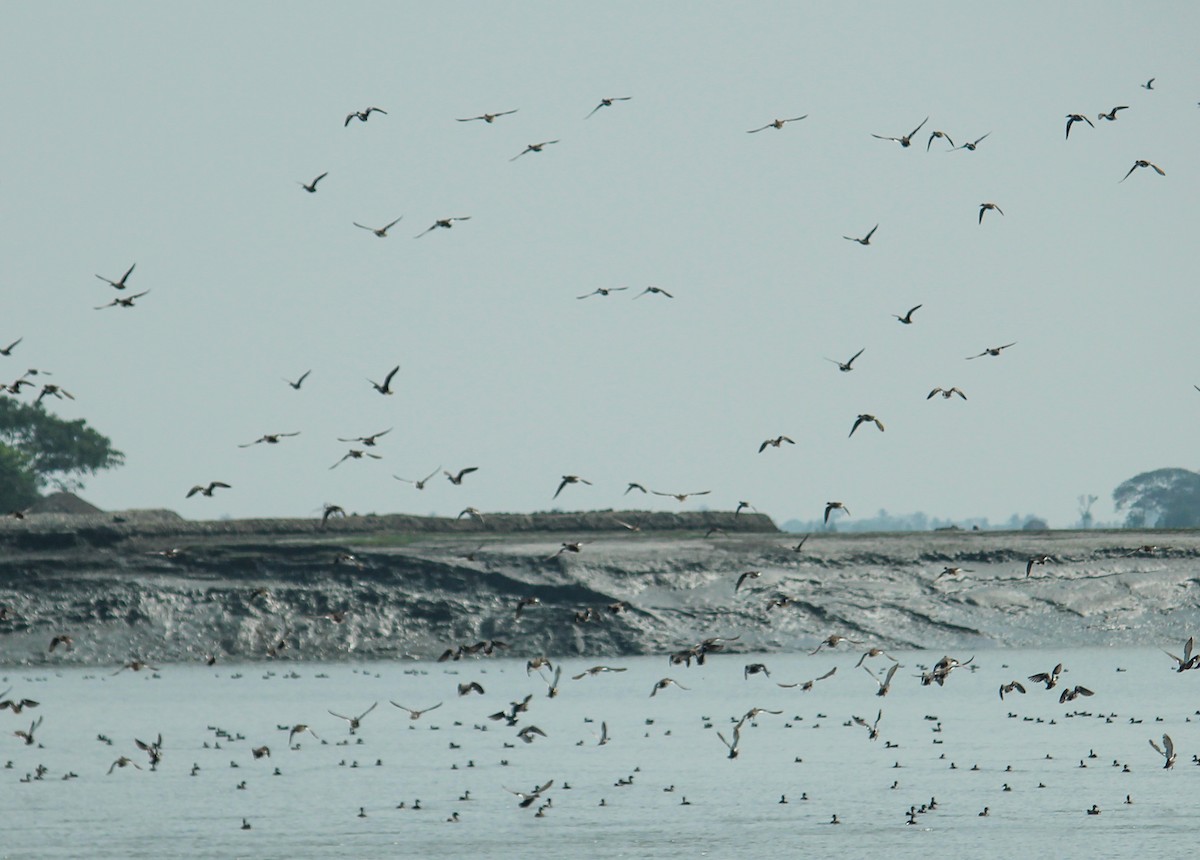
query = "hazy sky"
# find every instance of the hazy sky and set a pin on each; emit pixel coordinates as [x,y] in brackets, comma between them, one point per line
[175,135]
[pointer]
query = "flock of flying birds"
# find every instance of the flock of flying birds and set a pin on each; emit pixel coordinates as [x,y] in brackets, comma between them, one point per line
[362,447]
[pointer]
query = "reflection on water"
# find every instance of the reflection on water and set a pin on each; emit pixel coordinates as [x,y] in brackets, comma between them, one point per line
[1035,764]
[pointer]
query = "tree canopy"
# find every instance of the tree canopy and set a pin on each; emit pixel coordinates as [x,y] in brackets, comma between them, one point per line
[1163,498]
[38,449]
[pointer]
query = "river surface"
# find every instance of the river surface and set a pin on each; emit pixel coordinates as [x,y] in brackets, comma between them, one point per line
[1034,763]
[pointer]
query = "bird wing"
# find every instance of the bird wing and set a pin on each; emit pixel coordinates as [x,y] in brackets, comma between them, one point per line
[864,349]
[918,128]
[753,130]
[367,711]
[857,421]
[387,380]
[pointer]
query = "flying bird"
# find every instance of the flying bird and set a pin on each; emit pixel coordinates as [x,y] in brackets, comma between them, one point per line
[120,285]
[420,484]
[127,301]
[608,103]
[938,134]
[1167,750]
[1149,85]
[457,479]
[363,115]
[1189,660]
[776,123]
[907,318]
[970,147]
[1141,162]
[381,232]
[808,685]
[596,670]
[446,223]
[489,118]
[663,684]
[570,479]
[865,240]
[991,350]
[1073,694]
[7,350]
[947,393]
[833,641]
[1048,678]
[269,438]
[1010,686]
[847,366]
[473,687]
[369,441]
[872,728]
[601,291]
[296,385]
[865,418]
[682,497]
[50,389]
[835,506]
[983,207]
[1037,559]
[1074,118]
[355,722]
[905,140]
[533,147]
[355,454]
[528,798]
[659,290]
[386,387]
[311,187]
[1112,114]
[633,485]
[776,442]
[206,490]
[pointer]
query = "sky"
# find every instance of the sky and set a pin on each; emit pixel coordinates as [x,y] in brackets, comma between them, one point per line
[175,136]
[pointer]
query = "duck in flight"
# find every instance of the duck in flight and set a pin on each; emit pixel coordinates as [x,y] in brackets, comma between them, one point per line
[865,240]
[776,442]
[941,134]
[1141,162]
[907,318]
[381,232]
[867,419]
[206,490]
[420,484]
[991,350]
[835,506]
[269,438]
[7,350]
[127,301]
[120,285]
[970,147]
[355,454]
[369,441]
[601,291]
[533,147]
[445,223]
[947,393]
[608,103]
[1112,114]
[355,722]
[363,115]
[386,387]
[847,366]
[296,385]
[682,497]
[489,118]
[570,479]
[311,187]
[905,140]
[458,478]
[658,290]
[777,123]
[983,207]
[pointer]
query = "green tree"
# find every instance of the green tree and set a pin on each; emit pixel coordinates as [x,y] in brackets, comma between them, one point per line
[38,450]
[1163,498]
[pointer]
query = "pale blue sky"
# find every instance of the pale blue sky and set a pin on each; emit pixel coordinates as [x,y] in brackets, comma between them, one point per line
[174,136]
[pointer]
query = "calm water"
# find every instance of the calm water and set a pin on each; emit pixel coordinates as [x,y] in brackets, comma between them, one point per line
[312,808]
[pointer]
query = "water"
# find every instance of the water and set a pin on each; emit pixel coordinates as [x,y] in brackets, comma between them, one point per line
[312,808]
